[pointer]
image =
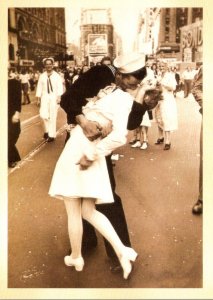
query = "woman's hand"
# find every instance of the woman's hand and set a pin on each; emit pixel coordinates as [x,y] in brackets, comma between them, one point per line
[106,129]
[16,117]
[84,163]
[91,129]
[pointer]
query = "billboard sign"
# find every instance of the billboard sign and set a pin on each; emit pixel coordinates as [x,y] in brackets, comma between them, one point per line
[98,43]
[192,41]
[26,63]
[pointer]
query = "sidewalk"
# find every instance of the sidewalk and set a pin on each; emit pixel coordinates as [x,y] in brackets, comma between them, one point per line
[158,189]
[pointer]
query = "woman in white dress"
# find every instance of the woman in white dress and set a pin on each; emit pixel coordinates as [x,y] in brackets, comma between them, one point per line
[81,187]
[166,110]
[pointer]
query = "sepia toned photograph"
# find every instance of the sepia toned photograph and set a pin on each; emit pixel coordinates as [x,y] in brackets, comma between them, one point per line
[105,148]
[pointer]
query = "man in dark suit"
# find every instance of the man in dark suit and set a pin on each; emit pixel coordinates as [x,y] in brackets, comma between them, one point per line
[197,92]
[14,109]
[128,73]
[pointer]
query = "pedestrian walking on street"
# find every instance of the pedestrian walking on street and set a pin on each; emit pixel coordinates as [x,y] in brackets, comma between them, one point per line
[166,110]
[25,84]
[49,91]
[72,102]
[197,91]
[187,77]
[14,110]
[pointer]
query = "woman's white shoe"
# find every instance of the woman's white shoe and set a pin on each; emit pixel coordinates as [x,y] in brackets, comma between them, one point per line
[137,144]
[144,146]
[78,262]
[129,255]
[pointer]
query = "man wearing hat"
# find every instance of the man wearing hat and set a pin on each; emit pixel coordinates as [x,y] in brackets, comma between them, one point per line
[48,92]
[127,73]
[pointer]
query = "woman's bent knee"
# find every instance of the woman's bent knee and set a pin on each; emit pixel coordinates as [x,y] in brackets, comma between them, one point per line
[88,209]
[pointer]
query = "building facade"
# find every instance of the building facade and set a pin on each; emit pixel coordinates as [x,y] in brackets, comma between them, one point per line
[35,33]
[96,35]
[148,30]
[176,26]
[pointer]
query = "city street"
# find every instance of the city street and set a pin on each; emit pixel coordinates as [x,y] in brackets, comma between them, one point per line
[158,189]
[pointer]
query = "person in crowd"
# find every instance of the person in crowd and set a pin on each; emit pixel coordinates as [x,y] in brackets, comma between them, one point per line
[154,69]
[31,80]
[14,110]
[36,78]
[197,91]
[177,78]
[150,72]
[12,73]
[72,101]
[68,76]
[48,92]
[84,69]
[77,74]
[166,110]
[140,137]
[86,160]
[61,73]
[106,60]
[24,78]
[92,64]
[187,77]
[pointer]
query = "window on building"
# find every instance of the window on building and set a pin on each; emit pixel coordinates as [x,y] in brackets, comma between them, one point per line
[56,19]
[43,14]
[197,13]
[177,36]
[46,15]
[11,52]
[181,17]
[167,11]
[45,36]
[21,24]
[35,33]
[167,21]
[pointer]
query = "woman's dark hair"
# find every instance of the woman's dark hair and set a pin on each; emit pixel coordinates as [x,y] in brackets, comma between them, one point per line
[140,74]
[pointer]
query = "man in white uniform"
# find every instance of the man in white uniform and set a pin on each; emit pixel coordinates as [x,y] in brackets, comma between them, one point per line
[48,92]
